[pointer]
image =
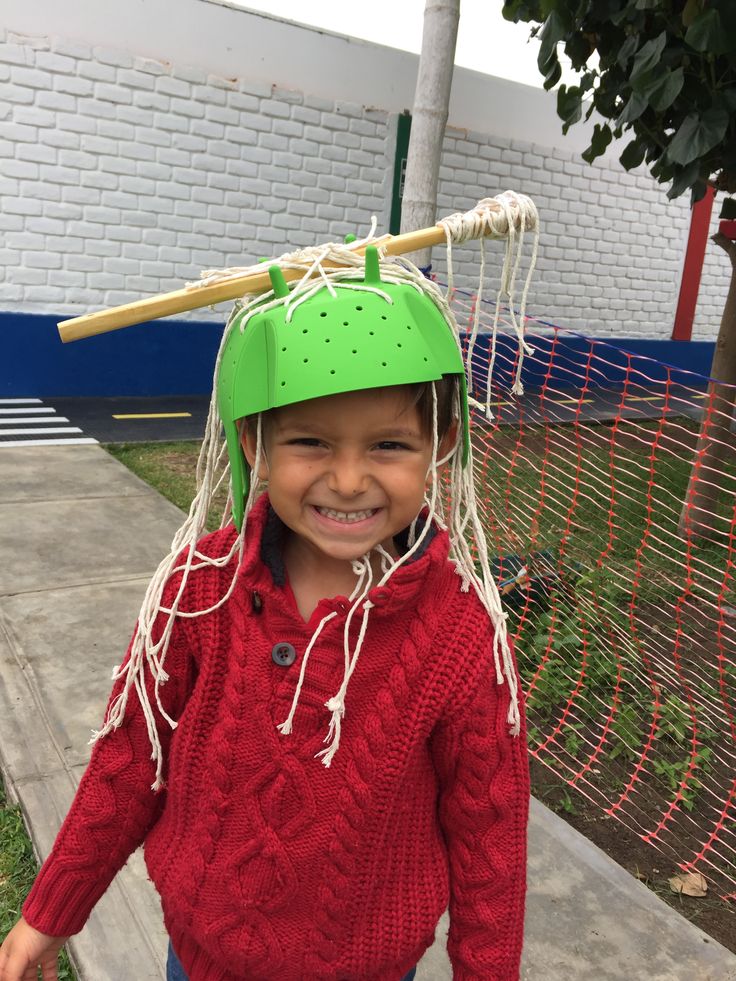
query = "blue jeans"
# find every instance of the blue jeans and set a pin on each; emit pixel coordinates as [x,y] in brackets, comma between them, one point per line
[175,972]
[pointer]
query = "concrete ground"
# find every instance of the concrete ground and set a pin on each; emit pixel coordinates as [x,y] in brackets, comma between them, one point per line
[80,536]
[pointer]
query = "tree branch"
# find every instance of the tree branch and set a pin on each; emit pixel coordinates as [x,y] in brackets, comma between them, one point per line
[727,245]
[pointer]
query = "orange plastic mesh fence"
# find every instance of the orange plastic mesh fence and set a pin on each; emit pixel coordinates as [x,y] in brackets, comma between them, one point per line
[613,530]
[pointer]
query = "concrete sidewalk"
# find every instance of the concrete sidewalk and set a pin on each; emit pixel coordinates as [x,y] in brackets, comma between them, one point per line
[80,536]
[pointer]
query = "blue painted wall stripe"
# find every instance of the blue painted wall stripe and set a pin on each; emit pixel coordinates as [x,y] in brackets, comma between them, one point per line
[176,357]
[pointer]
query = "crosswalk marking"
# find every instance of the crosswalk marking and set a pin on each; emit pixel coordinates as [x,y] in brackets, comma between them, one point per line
[29,422]
[35,420]
[39,432]
[43,409]
[66,441]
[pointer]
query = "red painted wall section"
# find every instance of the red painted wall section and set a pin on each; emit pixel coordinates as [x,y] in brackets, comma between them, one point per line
[693,267]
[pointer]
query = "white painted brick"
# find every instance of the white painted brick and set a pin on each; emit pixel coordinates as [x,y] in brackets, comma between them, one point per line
[213,131]
[208,195]
[15,206]
[36,152]
[151,66]
[59,138]
[113,56]
[153,100]
[218,82]
[94,71]
[118,94]
[287,127]
[73,85]
[15,54]
[315,102]
[41,260]
[24,240]
[40,192]
[54,62]
[17,133]
[171,123]
[236,100]
[334,121]
[173,155]
[334,152]
[102,111]
[188,107]
[303,114]
[230,182]
[77,50]
[13,94]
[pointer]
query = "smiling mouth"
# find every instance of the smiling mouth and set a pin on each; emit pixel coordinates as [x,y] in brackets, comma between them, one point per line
[347,517]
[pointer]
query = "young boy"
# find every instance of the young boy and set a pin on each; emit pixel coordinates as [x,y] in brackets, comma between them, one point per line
[341,617]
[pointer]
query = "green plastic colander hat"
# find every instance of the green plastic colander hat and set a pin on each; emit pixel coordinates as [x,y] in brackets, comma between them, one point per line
[332,341]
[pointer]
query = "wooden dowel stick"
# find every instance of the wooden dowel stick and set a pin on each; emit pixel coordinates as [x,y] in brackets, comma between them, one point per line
[166,304]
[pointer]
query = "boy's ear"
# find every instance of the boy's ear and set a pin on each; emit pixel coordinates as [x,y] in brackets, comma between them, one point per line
[248,442]
[449,440]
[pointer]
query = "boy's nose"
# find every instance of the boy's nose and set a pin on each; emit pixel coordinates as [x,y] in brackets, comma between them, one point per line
[348,478]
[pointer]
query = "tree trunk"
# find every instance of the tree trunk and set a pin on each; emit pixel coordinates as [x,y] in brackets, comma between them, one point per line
[698,517]
[429,118]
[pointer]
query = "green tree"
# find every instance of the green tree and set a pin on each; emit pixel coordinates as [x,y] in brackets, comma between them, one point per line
[665,76]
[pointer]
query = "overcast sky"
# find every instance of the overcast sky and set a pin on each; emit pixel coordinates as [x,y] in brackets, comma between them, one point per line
[486,42]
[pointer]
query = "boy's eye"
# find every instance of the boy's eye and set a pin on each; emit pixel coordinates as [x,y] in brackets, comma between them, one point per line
[305,441]
[389,444]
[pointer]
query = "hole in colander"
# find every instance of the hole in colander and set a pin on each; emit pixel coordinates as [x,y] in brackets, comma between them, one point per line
[283,384]
[283,349]
[327,340]
[383,364]
[371,332]
[359,308]
[346,323]
[306,360]
[384,317]
[398,344]
[355,351]
[332,371]
[323,314]
[305,331]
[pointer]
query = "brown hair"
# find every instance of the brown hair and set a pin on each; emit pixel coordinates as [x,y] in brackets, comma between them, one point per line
[421,397]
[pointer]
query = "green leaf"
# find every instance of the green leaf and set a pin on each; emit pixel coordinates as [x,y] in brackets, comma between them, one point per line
[698,134]
[627,49]
[690,12]
[633,155]
[660,87]
[578,49]
[602,136]
[553,75]
[633,108]
[569,105]
[727,99]
[648,55]
[684,179]
[552,33]
[706,33]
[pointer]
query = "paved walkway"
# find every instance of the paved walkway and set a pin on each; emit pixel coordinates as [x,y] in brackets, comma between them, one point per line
[80,536]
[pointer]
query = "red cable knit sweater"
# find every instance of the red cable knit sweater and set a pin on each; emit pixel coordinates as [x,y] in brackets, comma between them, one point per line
[272,867]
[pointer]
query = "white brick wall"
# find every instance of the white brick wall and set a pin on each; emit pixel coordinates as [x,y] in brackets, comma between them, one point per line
[123,176]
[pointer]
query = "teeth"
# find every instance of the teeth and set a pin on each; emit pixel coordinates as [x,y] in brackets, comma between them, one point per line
[346,516]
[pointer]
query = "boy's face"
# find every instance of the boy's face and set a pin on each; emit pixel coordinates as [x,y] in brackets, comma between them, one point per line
[345,472]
